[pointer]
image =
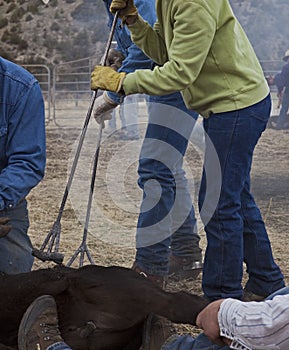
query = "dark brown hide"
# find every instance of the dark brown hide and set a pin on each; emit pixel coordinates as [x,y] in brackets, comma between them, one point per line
[98,307]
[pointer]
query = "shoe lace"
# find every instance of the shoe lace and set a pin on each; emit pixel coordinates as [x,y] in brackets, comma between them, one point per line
[50,331]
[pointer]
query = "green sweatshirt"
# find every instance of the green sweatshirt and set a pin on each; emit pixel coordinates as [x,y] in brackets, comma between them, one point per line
[203,52]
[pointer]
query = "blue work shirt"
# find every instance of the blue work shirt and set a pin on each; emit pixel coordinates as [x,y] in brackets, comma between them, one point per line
[22,133]
[134,57]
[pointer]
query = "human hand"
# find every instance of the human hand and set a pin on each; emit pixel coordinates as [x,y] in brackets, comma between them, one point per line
[208,321]
[4,228]
[106,78]
[103,108]
[114,59]
[126,8]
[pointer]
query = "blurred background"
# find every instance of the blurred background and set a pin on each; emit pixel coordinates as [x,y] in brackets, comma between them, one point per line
[61,41]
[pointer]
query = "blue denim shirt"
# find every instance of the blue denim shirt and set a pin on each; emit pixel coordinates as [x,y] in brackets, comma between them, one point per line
[22,133]
[134,57]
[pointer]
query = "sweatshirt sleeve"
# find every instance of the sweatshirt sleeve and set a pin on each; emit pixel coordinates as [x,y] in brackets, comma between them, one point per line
[256,325]
[182,59]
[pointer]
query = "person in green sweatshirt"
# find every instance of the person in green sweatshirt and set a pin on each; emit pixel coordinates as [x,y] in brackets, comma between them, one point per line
[203,52]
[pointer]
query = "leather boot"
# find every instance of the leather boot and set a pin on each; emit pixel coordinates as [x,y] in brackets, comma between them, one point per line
[39,326]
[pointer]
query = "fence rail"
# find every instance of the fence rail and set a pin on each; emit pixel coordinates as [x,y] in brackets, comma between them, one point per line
[43,75]
[66,89]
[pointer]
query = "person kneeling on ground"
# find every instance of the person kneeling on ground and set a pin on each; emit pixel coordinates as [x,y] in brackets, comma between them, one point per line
[227,324]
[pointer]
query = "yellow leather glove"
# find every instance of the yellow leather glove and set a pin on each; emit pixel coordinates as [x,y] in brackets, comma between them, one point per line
[126,8]
[106,78]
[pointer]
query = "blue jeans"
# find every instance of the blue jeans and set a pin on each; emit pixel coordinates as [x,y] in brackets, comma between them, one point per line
[167,218]
[128,110]
[284,108]
[183,342]
[234,227]
[16,247]
[128,113]
[186,342]
[59,346]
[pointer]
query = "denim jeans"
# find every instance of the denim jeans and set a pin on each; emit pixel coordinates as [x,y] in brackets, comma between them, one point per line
[128,110]
[128,113]
[284,108]
[183,342]
[186,342]
[16,247]
[234,227]
[59,346]
[167,220]
[112,122]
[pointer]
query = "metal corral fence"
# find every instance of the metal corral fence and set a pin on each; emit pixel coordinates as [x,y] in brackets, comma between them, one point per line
[71,92]
[67,93]
[43,75]
[66,90]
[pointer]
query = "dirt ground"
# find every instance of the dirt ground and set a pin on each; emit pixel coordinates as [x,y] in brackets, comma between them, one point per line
[116,197]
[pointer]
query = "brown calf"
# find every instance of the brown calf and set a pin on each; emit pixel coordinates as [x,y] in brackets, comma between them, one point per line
[98,307]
